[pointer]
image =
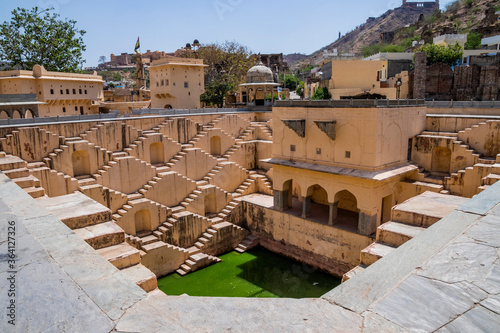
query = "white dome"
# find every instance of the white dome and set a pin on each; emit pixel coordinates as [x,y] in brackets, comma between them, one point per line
[260,74]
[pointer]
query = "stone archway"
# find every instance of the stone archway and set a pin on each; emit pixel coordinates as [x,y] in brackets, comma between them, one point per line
[156,153]
[142,221]
[210,203]
[16,114]
[81,163]
[316,205]
[215,146]
[4,114]
[345,209]
[28,114]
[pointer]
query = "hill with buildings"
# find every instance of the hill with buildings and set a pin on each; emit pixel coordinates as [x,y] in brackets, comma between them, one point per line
[401,26]
[370,32]
[477,18]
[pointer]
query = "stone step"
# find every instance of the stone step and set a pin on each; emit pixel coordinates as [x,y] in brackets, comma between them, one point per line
[181,272]
[426,209]
[134,196]
[76,138]
[396,233]
[35,192]
[102,235]
[374,252]
[190,263]
[352,272]
[148,239]
[11,162]
[491,179]
[17,173]
[141,276]
[121,255]
[185,268]
[193,250]
[24,182]
[87,181]
[35,165]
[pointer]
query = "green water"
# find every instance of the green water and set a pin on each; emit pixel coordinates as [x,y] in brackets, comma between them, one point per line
[257,273]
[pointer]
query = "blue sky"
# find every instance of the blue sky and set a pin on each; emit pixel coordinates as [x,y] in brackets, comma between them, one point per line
[265,26]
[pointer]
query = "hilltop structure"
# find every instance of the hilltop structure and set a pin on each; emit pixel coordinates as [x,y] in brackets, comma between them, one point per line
[433,5]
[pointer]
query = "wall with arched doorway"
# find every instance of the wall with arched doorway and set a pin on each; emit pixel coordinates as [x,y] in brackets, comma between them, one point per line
[155,148]
[142,215]
[4,115]
[142,221]
[81,163]
[441,160]
[215,146]
[157,153]
[79,158]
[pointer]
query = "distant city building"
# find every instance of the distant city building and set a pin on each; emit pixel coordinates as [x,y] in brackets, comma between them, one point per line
[491,43]
[451,39]
[59,94]
[177,83]
[362,79]
[421,4]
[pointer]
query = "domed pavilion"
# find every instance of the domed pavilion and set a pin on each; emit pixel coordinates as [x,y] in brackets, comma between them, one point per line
[260,83]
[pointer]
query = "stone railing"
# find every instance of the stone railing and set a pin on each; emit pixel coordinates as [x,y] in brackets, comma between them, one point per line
[351,103]
[43,120]
[172,112]
[466,104]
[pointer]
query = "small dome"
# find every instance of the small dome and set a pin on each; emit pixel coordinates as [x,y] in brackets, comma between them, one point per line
[196,42]
[188,46]
[260,74]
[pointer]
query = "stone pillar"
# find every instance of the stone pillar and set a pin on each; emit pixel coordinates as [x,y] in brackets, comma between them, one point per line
[306,206]
[420,75]
[334,212]
[280,199]
[367,223]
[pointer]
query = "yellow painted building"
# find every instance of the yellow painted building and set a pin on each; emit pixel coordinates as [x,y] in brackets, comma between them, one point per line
[59,94]
[177,83]
[352,78]
[342,165]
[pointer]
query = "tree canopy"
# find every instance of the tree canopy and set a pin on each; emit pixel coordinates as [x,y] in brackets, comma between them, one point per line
[290,81]
[441,54]
[228,64]
[35,36]
[321,94]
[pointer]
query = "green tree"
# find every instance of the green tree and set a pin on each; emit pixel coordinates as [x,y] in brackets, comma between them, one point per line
[217,90]
[441,54]
[473,41]
[228,60]
[321,94]
[31,38]
[300,89]
[290,82]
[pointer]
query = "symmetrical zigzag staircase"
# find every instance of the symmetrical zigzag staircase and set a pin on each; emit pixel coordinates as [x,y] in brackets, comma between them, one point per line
[129,253]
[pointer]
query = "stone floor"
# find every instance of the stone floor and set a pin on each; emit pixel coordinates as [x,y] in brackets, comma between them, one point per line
[446,279]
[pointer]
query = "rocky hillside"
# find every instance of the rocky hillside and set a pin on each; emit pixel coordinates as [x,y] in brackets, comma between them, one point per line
[369,33]
[403,25]
[294,58]
[473,17]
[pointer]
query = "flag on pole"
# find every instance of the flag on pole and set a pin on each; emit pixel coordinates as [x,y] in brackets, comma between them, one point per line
[137,45]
